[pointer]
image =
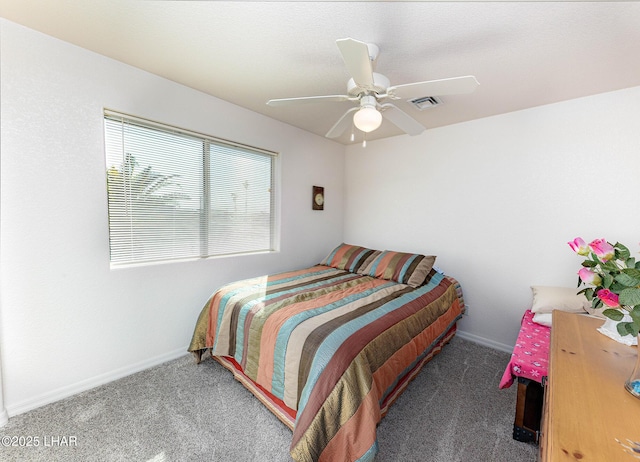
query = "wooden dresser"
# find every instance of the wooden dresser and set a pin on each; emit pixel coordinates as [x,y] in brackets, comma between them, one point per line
[586,406]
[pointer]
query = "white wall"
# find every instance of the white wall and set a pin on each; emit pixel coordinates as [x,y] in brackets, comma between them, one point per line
[68,322]
[498,199]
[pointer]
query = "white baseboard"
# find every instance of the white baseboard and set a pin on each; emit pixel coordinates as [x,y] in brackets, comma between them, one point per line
[485,341]
[84,385]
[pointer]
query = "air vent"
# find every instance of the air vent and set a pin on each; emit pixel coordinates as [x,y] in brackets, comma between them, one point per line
[425,102]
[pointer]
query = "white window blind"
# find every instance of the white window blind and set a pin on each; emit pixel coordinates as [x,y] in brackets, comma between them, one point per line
[175,194]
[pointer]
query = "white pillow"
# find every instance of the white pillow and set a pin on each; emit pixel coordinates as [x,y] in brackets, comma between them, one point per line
[546,299]
[543,319]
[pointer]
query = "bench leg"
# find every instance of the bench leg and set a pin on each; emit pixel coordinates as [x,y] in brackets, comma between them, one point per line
[526,425]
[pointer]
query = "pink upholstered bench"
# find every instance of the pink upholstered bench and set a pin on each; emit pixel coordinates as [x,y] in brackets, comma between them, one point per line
[529,365]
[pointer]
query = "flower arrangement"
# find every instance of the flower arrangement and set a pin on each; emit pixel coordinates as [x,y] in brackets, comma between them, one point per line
[613,279]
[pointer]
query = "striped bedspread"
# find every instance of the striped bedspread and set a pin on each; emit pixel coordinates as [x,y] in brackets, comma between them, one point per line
[331,344]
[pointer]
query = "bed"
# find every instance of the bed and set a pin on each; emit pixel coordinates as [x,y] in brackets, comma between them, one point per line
[330,347]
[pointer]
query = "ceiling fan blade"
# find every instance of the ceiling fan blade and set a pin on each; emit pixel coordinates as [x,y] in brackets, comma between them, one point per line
[356,57]
[341,125]
[453,86]
[308,99]
[401,119]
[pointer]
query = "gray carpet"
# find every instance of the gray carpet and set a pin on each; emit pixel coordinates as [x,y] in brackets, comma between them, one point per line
[180,411]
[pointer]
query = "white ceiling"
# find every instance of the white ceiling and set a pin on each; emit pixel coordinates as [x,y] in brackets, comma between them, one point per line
[524,54]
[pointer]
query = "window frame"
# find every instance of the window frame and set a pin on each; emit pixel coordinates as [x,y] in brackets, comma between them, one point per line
[204,210]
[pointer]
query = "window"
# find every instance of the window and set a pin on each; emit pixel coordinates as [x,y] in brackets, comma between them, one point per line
[175,194]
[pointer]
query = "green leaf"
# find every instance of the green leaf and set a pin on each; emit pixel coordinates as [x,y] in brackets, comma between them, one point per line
[613,314]
[631,262]
[617,287]
[589,263]
[588,292]
[622,252]
[625,328]
[607,280]
[630,277]
[630,296]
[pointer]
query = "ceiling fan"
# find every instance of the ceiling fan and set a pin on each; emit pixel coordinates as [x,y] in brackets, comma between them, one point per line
[372,90]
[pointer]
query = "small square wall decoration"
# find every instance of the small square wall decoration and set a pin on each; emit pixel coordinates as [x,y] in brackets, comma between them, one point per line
[318,198]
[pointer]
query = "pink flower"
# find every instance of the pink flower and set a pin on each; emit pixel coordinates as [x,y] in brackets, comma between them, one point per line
[579,246]
[603,250]
[608,298]
[589,277]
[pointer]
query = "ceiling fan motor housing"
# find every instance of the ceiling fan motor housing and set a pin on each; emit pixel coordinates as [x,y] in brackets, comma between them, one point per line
[380,85]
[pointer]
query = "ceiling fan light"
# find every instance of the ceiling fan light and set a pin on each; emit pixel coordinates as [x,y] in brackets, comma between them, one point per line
[367,119]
